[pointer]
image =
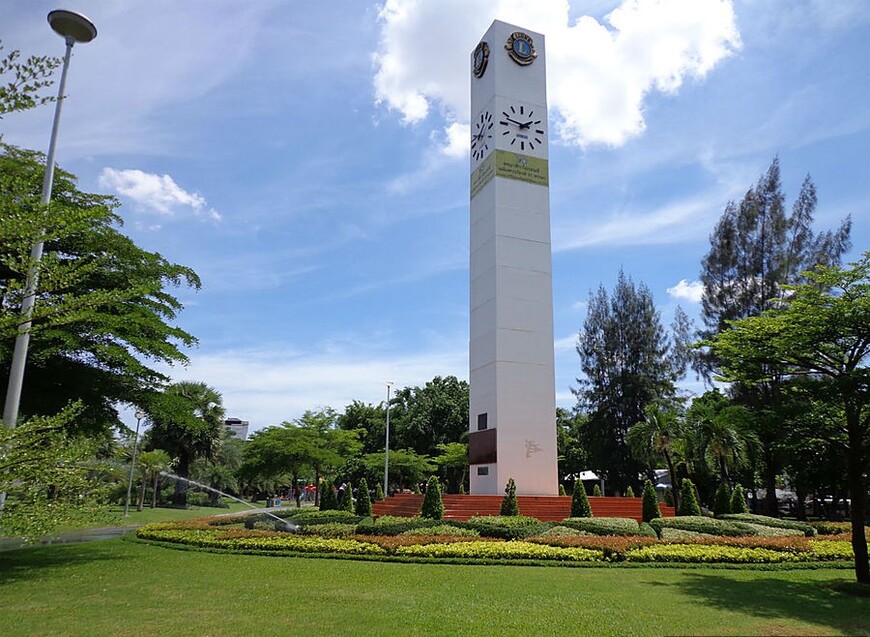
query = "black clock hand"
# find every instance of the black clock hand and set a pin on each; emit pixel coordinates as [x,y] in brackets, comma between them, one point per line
[513,121]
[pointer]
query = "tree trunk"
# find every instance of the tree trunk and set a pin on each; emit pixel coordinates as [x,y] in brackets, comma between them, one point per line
[141,503]
[800,509]
[318,485]
[672,472]
[857,491]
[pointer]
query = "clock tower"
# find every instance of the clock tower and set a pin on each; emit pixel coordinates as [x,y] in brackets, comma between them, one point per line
[512,428]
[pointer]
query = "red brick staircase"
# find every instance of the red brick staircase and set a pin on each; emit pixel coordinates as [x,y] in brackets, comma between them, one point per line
[545,508]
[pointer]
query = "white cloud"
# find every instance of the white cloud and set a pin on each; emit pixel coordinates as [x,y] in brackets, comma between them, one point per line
[566,344]
[160,193]
[692,291]
[599,72]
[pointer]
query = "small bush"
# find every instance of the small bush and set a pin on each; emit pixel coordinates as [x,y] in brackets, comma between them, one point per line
[738,501]
[603,526]
[379,492]
[393,525]
[442,530]
[596,491]
[328,499]
[647,531]
[775,523]
[722,501]
[329,530]
[824,527]
[562,531]
[579,502]
[363,506]
[461,489]
[688,501]
[433,505]
[562,489]
[701,524]
[682,534]
[509,504]
[629,492]
[651,509]
[504,527]
[309,517]
[501,550]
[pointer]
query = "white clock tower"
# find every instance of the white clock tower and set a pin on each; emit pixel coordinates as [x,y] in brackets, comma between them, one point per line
[512,429]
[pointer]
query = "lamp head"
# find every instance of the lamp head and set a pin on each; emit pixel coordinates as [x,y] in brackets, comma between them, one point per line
[72,25]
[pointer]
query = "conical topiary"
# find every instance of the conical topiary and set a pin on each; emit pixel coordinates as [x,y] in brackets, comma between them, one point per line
[433,506]
[596,491]
[722,501]
[416,489]
[629,492]
[327,497]
[562,489]
[509,504]
[379,492]
[651,509]
[363,501]
[345,498]
[462,489]
[688,501]
[738,501]
[579,502]
[669,497]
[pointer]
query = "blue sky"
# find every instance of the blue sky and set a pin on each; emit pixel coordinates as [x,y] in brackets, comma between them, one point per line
[309,160]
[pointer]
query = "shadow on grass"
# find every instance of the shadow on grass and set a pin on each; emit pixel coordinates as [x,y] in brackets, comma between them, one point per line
[35,563]
[842,606]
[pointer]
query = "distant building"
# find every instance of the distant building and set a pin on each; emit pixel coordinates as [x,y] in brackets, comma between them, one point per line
[238,426]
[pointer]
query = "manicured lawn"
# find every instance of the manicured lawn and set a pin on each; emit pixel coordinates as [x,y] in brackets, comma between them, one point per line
[117,587]
[166,514]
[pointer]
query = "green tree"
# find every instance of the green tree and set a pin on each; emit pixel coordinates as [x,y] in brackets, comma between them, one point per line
[369,421]
[688,501]
[104,314]
[738,501]
[571,453]
[345,498]
[187,421]
[424,417]
[407,468]
[756,248]
[821,329]
[657,435]
[722,502]
[579,502]
[650,503]
[152,463]
[22,81]
[629,492]
[433,505]
[379,492]
[596,491]
[453,461]
[363,500]
[628,362]
[328,500]
[509,504]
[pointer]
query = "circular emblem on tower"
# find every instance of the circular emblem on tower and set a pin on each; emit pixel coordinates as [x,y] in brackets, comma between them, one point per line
[480,58]
[521,48]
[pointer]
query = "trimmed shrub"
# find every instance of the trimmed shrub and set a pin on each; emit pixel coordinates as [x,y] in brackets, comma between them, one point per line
[596,491]
[345,498]
[328,529]
[603,526]
[511,527]
[562,531]
[562,489]
[701,524]
[629,492]
[393,525]
[509,504]
[669,497]
[461,489]
[647,531]
[579,502]
[738,501]
[442,530]
[722,500]
[688,501]
[682,534]
[500,551]
[363,506]
[328,499]
[775,523]
[379,492]
[651,509]
[309,517]
[433,506]
[825,527]
[416,489]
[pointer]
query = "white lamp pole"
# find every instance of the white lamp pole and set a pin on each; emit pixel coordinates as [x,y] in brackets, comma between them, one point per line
[387,445]
[73,27]
[139,416]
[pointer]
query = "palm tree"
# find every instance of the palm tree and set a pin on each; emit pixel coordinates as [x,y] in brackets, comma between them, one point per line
[152,464]
[723,438]
[657,434]
[188,422]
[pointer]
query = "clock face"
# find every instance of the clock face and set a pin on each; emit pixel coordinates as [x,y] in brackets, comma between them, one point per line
[481,135]
[522,127]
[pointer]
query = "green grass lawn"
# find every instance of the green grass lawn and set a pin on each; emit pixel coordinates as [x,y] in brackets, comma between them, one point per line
[167,514]
[118,587]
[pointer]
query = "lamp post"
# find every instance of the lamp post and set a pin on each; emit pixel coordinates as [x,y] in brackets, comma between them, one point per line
[387,445]
[73,27]
[139,416]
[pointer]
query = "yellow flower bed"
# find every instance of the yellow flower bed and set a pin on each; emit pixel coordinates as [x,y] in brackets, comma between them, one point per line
[501,550]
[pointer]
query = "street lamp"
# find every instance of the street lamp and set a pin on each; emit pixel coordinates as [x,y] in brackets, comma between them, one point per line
[139,416]
[73,27]
[387,445]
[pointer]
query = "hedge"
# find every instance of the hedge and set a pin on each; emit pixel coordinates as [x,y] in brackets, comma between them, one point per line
[501,550]
[511,527]
[701,524]
[604,526]
[442,530]
[394,525]
[775,523]
[712,553]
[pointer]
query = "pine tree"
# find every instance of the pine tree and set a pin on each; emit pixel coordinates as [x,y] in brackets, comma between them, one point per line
[328,500]
[379,492]
[722,501]
[433,506]
[579,502]
[629,492]
[509,504]
[345,498]
[596,491]
[363,500]
[688,501]
[738,501]
[650,502]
